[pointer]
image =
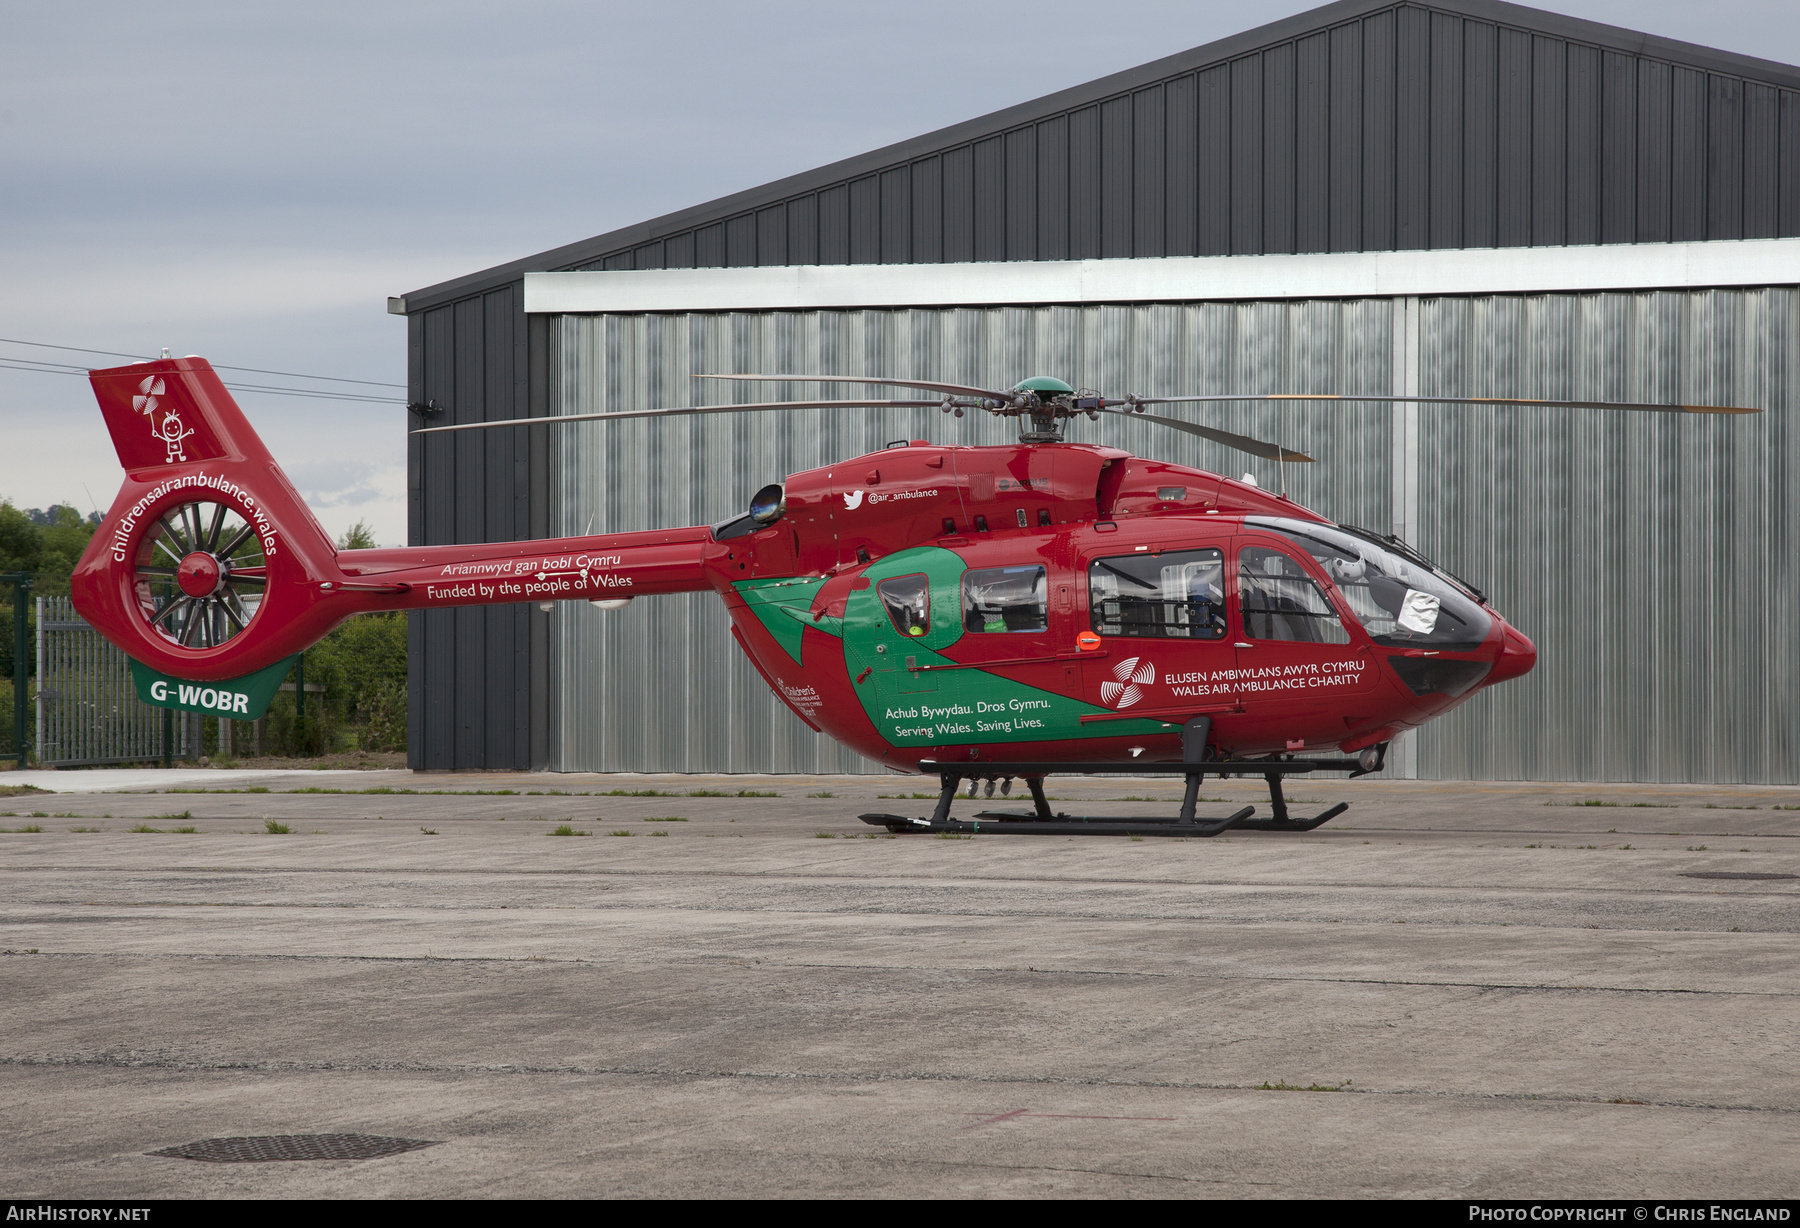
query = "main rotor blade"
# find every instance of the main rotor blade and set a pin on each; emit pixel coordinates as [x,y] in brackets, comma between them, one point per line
[1242,443]
[687,409]
[1527,401]
[961,390]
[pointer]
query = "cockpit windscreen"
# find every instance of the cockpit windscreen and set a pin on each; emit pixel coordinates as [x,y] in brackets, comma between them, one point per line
[1401,600]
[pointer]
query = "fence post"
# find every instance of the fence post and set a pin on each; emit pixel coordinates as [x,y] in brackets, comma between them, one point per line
[38,661]
[21,642]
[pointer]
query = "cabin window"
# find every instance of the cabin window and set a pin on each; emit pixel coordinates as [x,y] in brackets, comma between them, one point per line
[907,600]
[1005,599]
[1177,595]
[1282,602]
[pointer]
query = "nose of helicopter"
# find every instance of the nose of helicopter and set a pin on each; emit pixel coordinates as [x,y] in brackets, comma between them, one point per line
[1517,655]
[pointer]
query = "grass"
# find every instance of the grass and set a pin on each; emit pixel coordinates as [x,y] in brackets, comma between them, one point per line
[1784,807]
[755,793]
[824,835]
[638,793]
[1279,1086]
[185,831]
[167,818]
[566,830]
[29,827]
[659,833]
[1616,805]
[429,831]
[144,827]
[824,793]
[1696,848]
[87,829]
[665,818]
[950,835]
[909,797]
[620,832]
[1710,806]
[272,828]
[20,790]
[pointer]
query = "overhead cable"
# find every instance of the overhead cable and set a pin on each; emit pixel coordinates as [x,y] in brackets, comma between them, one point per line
[77,349]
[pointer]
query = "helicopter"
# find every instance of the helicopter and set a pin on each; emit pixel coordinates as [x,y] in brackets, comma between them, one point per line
[982,614]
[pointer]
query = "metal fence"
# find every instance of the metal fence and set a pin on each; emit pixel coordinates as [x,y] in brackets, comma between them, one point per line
[87,711]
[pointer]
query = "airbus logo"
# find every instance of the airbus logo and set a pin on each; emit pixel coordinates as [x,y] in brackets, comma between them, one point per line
[1130,677]
[853,500]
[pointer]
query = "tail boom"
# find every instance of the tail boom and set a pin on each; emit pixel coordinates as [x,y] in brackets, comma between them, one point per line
[558,569]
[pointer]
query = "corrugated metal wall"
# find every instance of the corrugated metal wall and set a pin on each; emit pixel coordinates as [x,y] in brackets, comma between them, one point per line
[660,686]
[1408,127]
[471,673]
[1651,557]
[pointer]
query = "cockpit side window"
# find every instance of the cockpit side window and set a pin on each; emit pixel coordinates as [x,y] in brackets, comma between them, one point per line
[1177,595]
[1005,599]
[907,600]
[1282,602]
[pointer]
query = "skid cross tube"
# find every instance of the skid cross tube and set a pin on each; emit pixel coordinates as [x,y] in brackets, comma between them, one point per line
[1194,766]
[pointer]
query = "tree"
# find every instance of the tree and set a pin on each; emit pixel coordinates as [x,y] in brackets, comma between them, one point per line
[47,543]
[358,536]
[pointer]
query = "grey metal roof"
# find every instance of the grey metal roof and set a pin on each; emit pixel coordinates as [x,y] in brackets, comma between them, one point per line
[864,170]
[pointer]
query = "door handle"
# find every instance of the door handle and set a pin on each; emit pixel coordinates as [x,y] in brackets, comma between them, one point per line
[1241,644]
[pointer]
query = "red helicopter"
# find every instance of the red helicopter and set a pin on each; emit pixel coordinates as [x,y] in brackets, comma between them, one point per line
[978,613]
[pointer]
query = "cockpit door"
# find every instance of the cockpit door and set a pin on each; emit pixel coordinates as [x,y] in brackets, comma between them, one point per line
[1298,652]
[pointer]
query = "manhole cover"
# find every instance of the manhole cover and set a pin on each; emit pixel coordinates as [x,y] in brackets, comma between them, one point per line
[262,1148]
[1733,874]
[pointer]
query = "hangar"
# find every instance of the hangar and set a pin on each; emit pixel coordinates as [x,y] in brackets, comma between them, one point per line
[1460,197]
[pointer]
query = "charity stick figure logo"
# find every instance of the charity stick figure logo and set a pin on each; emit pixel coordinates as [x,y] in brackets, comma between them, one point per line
[853,500]
[168,427]
[1130,677]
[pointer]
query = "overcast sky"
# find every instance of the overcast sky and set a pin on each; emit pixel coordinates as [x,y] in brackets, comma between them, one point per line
[250,182]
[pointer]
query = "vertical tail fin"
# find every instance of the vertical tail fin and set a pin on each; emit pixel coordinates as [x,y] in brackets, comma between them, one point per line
[175,411]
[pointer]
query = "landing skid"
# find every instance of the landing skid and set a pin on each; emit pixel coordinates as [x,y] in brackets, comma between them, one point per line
[1042,821]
